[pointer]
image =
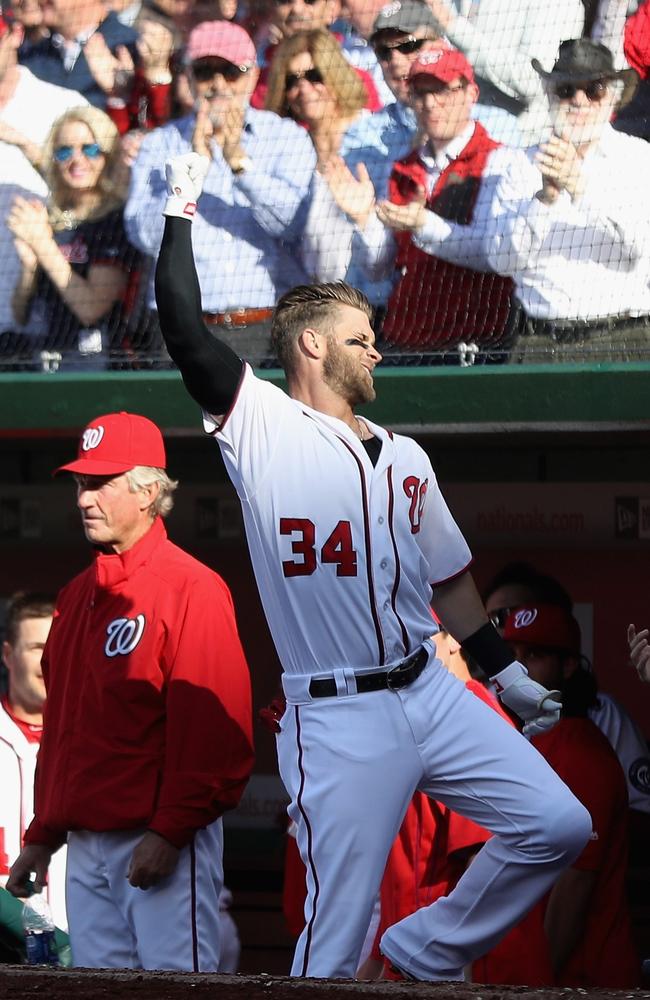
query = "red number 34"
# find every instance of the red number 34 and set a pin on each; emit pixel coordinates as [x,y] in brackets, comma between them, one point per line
[338,548]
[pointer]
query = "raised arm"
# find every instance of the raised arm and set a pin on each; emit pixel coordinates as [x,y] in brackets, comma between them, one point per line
[210,369]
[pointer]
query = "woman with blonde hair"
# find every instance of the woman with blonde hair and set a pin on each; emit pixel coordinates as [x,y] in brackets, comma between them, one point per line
[311,81]
[76,260]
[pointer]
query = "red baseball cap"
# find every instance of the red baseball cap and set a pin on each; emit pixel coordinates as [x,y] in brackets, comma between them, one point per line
[543,625]
[115,443]
[444,64]
[223,39]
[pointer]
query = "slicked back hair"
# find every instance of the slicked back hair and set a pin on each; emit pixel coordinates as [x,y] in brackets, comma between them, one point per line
[311,306]
[24,605]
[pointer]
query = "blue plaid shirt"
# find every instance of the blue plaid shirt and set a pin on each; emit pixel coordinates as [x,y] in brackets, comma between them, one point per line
[247,229]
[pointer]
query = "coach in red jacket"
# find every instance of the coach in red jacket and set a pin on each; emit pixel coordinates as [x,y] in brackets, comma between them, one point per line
[147,731]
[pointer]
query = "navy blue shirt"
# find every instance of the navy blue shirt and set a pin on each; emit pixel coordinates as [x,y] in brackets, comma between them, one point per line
[51,324]
[45,60]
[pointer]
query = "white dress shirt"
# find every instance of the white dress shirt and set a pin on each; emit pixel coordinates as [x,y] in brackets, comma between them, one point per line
[582,259]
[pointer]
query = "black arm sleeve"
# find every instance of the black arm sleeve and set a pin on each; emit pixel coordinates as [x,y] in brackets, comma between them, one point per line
[211,370]
[488,649]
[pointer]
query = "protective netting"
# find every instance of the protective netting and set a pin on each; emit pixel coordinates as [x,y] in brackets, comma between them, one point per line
[480,170]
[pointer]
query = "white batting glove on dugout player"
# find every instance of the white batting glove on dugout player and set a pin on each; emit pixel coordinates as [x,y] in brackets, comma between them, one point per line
[185,176]
[537,707]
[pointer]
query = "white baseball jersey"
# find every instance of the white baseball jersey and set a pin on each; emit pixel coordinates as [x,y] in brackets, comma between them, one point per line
[373,545]
[17,766]
[630,746]
[345,554]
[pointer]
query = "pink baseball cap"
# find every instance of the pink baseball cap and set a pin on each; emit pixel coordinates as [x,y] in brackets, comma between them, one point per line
[222,39]
[115,443]
[545,625]
[444,64]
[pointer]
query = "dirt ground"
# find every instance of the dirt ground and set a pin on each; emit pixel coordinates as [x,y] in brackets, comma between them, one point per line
[21,983]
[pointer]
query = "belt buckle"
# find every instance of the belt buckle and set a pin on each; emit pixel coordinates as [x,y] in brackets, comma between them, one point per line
[397,672]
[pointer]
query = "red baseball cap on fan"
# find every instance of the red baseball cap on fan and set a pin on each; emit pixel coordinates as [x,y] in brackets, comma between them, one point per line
[115,443]
[545,625]
[445,64]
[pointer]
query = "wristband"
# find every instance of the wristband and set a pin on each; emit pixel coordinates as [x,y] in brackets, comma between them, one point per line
[488,649]
[504,678]
[181,208]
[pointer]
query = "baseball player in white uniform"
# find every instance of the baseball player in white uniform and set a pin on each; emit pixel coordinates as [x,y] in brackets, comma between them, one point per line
[351,540]
[27,624]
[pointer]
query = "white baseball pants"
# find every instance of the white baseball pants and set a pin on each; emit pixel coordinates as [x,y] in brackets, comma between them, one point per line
[173,926]
[351,764]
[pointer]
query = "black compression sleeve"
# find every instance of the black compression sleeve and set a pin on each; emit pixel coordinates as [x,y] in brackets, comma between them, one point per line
[211,370]
[488,649]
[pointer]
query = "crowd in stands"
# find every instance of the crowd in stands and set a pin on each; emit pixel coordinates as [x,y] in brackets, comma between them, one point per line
[478,169]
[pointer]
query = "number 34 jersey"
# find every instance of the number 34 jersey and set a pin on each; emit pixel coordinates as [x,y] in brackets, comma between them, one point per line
[344,552]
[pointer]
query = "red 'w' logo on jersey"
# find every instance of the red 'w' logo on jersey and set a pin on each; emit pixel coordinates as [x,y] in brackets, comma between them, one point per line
[416,491]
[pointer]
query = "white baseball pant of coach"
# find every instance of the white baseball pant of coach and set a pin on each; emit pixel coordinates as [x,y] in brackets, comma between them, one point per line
[173,926]
[351,764]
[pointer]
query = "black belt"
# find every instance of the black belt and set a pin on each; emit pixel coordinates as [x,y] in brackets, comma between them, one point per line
[399,676]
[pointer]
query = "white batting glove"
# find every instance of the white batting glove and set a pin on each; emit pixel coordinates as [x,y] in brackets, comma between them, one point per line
[537,707]
[185,175]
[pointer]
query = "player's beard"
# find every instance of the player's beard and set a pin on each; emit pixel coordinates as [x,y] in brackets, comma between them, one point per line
[345,375]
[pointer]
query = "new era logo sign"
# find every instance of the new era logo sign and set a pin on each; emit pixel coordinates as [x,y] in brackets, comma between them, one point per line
[91,437]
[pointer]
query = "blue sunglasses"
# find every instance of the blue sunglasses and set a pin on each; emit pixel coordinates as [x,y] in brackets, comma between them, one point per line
[91,150]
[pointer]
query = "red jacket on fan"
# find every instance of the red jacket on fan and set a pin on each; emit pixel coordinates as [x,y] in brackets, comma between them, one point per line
[147,105]
[436,303]
[636,40]
[148,714]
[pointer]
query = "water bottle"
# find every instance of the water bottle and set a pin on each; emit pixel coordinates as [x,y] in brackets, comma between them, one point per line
[38,927]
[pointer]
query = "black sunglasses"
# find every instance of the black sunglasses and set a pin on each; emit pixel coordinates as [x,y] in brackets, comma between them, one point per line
[410,45]
[285,3]
[205,70]
[312,75]
[594,91]
[500,616]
